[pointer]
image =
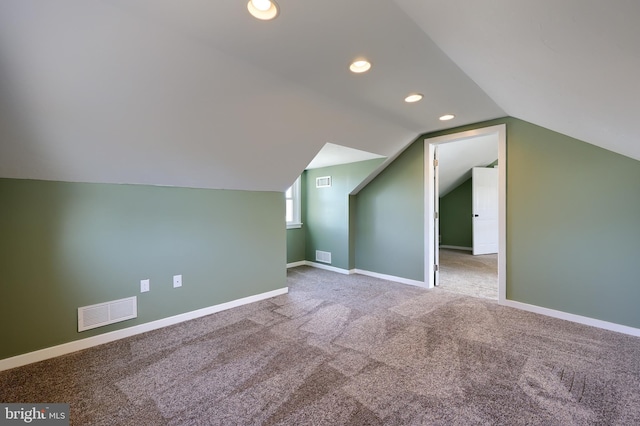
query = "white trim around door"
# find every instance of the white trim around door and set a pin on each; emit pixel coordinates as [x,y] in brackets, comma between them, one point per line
[429,187]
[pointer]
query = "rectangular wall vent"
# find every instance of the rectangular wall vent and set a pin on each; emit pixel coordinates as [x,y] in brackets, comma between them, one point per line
[323,256]
[323,182]
[107,313]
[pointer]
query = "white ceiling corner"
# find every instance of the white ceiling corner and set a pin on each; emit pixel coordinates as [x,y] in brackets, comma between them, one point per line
[333,155]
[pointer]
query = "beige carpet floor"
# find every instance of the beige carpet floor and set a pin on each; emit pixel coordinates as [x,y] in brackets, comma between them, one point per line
[349,350]
[463,273]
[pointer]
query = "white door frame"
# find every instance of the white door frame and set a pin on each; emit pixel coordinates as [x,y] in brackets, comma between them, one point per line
[429,208]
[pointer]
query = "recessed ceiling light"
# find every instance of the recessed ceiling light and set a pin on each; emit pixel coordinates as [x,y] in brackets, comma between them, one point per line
[263,9]
[360,65]
[414,97]
[447,117]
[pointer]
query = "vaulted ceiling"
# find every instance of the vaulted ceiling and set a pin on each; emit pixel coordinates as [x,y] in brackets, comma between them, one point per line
[198,93]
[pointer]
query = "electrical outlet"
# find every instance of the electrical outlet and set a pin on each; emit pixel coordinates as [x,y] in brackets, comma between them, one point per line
[177,281]
[144,286]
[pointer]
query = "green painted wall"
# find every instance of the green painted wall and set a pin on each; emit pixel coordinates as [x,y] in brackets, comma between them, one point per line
[326,211]
[455,216]
[390,218]
[66,245]
[296,245]
[572,223]
[352,231]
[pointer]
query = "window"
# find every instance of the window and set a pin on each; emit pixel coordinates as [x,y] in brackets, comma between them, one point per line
[292,210]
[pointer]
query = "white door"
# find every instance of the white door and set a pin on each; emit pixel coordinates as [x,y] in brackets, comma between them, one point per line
[485,210]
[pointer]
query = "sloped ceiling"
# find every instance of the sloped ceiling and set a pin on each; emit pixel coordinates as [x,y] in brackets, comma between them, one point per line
[333,155]
[570,66]
[456,159]
[198,93]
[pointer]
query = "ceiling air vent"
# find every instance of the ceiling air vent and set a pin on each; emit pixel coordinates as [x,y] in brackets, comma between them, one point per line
[323,182]
[107,313]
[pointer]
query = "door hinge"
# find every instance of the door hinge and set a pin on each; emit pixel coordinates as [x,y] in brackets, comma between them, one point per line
[435,162]
[436,268]
[435,215]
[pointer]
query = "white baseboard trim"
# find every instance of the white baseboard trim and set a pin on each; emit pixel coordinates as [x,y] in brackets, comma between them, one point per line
[298,263]
[391,278]
[329,268]
[456,248]
[573,317]
[361,272]
[77,345]
[510,303]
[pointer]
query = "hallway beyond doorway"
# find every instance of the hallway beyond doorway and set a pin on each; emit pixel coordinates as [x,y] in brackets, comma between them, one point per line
[461,272]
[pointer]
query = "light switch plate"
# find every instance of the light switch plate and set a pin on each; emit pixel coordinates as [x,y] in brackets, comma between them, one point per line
[144,286]
[177,281]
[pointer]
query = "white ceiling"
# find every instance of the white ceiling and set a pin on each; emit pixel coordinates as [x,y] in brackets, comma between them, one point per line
[570,66]
[456,159]
[332,155]
[198,93]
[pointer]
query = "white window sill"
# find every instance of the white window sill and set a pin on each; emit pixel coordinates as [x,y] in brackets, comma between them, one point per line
[294,225]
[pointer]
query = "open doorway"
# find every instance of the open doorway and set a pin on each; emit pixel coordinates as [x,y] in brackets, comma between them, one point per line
[460,146]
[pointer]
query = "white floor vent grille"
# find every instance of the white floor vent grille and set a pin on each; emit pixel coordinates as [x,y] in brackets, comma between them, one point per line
[323,256]
[107,313]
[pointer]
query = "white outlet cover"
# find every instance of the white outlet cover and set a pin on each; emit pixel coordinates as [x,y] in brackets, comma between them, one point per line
[177,281]
[144,286]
